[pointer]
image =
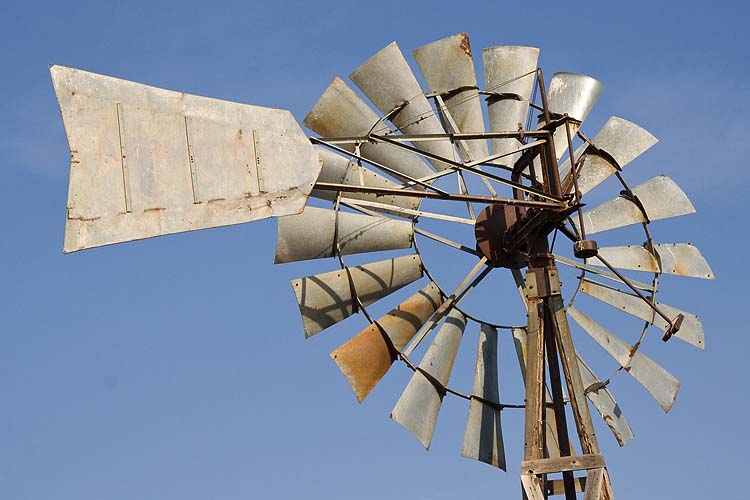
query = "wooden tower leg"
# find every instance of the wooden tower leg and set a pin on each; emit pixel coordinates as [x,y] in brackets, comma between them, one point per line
[548,337]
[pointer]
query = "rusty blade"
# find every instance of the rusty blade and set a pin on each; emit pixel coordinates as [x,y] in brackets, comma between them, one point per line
[573,94]
[660,197]
[325,299]
[340,112]
[483,437]
[509,73]
[339,170]
[622,140]
[662,385]
[313,234]
[389,83]
[605,404]
[552,443]
[147,161]
[417,408]
[448,68]
[682,259]
[691,330]
[368,356]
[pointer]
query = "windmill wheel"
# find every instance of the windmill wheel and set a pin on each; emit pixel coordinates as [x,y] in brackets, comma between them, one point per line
[369,214]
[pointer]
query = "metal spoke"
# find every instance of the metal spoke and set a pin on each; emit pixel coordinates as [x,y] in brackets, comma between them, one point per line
[458,294]
[408,211]
[347,188]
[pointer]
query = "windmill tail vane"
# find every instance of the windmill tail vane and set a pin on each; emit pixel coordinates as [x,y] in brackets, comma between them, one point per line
[508,158]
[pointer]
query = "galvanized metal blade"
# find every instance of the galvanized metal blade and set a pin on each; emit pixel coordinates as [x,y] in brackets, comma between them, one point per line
[339,170]
[483,437]
[662,385]
[551,440]
[448,68]
[147,161]
[660,197]
[417,408]
[509,74]
[691,330]
[368,356]
[622,140]
[682,259]
[572,94]
[327,298]
[313,234]
[387,80]
[340,113]
[605,404]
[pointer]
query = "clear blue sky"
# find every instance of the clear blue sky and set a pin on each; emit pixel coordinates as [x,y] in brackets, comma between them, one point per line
[176,368]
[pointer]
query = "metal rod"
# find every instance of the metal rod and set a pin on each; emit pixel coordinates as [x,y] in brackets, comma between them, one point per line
[458,294]
[349,188]
[391,171]
[648,301]
[510,134]
[457,165]
[574,174]
[409,211]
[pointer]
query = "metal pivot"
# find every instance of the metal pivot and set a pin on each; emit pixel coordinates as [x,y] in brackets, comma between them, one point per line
[549,338]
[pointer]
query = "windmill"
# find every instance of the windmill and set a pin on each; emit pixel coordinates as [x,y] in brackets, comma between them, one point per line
[147,162]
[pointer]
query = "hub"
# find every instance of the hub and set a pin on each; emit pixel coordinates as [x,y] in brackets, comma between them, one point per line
[489,230]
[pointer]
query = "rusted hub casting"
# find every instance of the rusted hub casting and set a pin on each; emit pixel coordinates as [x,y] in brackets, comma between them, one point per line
[489,230]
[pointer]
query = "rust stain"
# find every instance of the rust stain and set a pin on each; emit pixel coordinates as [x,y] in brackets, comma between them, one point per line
[465,45]
[155,209]
[214,200]
[366,358]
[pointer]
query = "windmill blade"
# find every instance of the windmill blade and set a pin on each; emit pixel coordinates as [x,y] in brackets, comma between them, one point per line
[340,112]
[325,299]
[339,170]
[313,234]
[147,161]
[682,259]
[483,438]
[509,74]
[691,330]
[605,404]
[572,94]
[448,68]
[417,408]
[662,385]
[551,440]
[387,80]
[366,358]
[660,197]
[622,140]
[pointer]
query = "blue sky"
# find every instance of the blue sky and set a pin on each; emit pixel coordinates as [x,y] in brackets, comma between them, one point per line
[176,368]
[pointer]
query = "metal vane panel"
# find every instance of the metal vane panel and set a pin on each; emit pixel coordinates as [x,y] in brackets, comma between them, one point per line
[313,234]
[483,437]
[448,68]
[691,330]
[417,408]
[624,141]
[368,356]
[572,94]
[340,112]
[660,197]
[682,259]
[387,80]
[509,74]
[661,384]
[147,161]
[605,404]
[325,299]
